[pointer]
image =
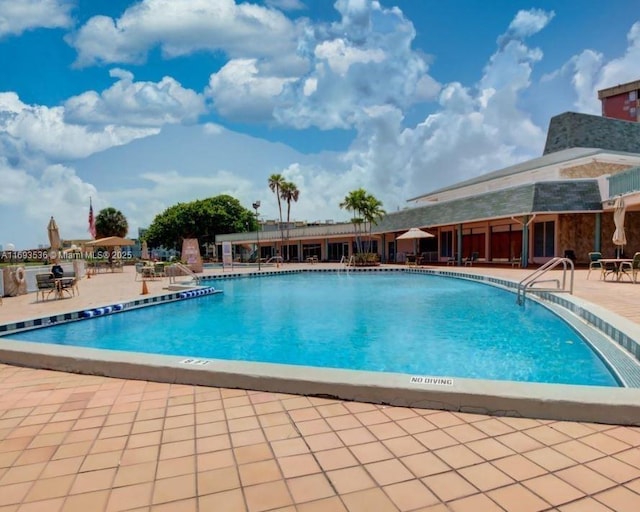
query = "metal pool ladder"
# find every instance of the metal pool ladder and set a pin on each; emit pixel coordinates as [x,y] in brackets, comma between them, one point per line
[184,270]
[348,262]
[528,283]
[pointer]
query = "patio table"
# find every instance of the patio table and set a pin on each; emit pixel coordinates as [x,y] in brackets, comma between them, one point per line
[614,266]
[61,286]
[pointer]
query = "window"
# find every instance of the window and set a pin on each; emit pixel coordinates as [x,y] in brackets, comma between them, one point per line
[337,251]
[446,244]
[633,95]
[290,252]
[309,250]
[544,239]
[473,242]
[366,245]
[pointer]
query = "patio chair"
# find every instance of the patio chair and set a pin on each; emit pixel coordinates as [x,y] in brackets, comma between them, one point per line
[469,261]
[45,283]
[452,260]
[595,263]
[423,258]
[146,271]
[70,282]
[159,269]
[138,275]
[631,267]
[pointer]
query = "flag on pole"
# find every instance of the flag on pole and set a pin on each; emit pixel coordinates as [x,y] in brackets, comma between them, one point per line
[92,221]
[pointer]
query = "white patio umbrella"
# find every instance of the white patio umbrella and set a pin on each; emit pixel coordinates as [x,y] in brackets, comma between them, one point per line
[110,241]
[54,239]
[113,242]
[415,234]
[619,236]
[145,251]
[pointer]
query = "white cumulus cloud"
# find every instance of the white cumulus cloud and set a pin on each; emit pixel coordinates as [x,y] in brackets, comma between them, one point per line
[340,56]
[526,24]
[181,27]
[589,72]
[136,103]
[239,91]
[41,130]
[364,59]
[476,129]
[30,200]
[17,16]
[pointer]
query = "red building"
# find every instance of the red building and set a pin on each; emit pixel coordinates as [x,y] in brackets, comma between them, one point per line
[621,101]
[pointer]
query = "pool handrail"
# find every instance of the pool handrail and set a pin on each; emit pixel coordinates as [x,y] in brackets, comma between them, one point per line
[184,270]
[529,281]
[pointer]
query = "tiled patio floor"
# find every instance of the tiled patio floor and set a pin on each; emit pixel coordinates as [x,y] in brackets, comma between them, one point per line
[84,443]
[88,443]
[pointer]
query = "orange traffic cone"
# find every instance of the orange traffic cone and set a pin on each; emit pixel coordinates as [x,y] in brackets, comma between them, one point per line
[145,290]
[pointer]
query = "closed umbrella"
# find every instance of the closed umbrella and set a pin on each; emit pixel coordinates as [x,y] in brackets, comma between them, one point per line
[619,236]
[145,250]
[54,238]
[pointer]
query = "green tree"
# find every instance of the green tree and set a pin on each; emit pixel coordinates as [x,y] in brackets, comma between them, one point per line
[276,181]
[289,192]
[367,210]
[202,219]
[372,213]
[354,202]
[111,222]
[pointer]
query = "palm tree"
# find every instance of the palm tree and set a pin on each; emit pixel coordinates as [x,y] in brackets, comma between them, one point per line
[276,181]
[355,202]
[289,192]
[111,222]
[372,213]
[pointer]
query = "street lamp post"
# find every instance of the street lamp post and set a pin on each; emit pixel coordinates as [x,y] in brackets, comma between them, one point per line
[256,205]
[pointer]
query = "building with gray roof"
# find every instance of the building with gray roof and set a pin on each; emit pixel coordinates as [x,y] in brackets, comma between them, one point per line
[559,203]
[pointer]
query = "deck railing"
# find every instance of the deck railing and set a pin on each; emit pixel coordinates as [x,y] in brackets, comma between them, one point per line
[624,182]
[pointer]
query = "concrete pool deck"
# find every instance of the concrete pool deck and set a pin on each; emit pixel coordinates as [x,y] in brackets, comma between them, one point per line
[72,441]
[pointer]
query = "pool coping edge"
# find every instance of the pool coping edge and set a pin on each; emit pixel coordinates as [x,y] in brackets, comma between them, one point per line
[620,406]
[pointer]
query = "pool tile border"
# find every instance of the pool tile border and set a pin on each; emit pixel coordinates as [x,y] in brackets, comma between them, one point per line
[116,308]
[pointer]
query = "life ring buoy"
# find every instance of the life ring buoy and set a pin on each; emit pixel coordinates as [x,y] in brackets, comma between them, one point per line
[18,275]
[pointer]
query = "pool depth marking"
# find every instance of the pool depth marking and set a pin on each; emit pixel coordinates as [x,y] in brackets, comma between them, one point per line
[197,362]
[437,381]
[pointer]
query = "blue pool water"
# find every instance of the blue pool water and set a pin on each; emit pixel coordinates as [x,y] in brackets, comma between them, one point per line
[389,322]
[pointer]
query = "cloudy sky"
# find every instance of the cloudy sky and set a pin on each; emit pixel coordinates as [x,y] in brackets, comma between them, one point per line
[140,105]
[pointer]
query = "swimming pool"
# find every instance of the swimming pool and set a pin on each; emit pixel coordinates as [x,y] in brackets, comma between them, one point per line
[384,322]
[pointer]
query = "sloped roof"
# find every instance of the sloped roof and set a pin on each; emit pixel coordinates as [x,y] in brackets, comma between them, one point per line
[543,197]
[558,157]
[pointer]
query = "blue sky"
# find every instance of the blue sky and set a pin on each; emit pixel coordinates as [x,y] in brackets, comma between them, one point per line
[140,105]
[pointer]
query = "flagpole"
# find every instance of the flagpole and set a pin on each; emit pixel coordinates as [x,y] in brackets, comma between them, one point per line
[92,230]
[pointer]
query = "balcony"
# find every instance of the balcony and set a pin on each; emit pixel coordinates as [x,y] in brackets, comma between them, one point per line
[624,182]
